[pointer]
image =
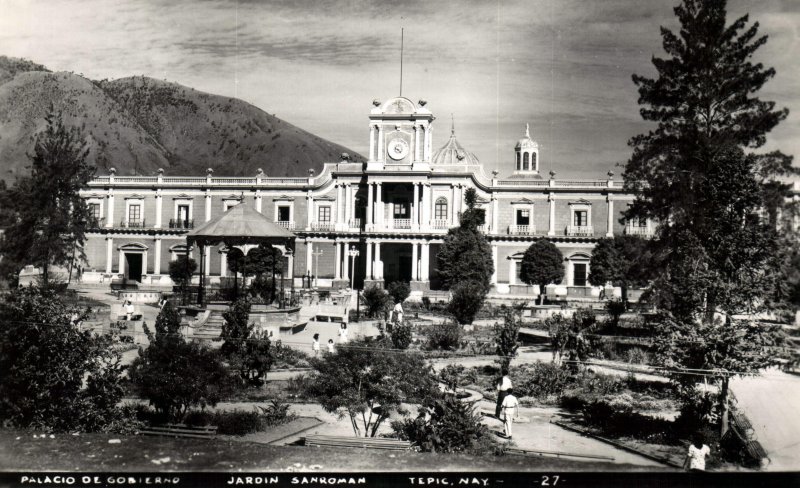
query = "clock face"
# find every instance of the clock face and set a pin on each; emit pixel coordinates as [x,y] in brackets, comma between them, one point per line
[398,149]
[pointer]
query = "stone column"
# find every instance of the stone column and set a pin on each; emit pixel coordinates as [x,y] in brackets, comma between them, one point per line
[159,203]
[223,264]
[552,230]
[512,272]
[381,156]
[309,255]
[610,227]
[494,261]
[416,142]
[414,262]
[121,263]
[453,215]
[378,267]
[207,257]
[109,255]
[415,207]
[495,215]
[309,210]
[290,267]
[339,203]
[426,259]
[208,205]
[369,260]
[370,219]
[348,204]
[426,150]
[157,257]
[380,206]
[426,206]
[346,262]
[337,263]
[110,209]
[372,142]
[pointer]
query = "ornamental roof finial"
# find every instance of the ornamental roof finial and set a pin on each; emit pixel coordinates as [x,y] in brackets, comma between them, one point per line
[452,124]
[527,130]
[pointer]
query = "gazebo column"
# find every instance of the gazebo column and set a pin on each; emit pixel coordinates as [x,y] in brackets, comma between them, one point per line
[201,287]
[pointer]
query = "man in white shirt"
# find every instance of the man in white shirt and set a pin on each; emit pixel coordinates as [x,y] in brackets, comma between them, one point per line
[696,456]
[503,386]
[398,313]
[510,409]
[129,310]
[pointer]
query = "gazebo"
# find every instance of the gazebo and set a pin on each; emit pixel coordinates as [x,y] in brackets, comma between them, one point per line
[240,226]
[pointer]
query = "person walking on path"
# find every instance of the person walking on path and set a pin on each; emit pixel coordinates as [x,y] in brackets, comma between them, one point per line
[330,346]
[696,456]
[398,313]
[503,387]
[315,345]
[343,333]
[129,310]
[510,409]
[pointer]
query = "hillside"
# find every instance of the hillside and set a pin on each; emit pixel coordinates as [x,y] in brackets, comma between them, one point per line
[139,124]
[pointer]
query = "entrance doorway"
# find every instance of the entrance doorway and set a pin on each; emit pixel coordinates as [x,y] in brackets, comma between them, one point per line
[133,266]
[404,272]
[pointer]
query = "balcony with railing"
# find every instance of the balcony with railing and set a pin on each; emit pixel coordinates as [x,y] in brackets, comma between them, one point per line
[181,223]
[580,230]
[325,226]
[354,224]
[521,230]
[440,224]
[401,223]
[286,224]
[485,228]
[132,224]
[636,230]
[95,222]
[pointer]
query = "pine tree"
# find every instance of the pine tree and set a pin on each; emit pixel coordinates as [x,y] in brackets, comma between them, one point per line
[49,215]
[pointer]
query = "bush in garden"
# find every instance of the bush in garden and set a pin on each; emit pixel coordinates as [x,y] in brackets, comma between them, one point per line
[615,309]
[540,380]
[399,291]
[375,300]
[456,376]
[401,335]
[285,356]
[466,301]
[446,336]
[248,352]
[636,355]
[446,424]
[53,376]
[506,336]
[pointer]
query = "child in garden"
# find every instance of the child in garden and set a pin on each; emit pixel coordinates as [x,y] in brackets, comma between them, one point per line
[510,409]
[696,456]
[315,345]
[330,346]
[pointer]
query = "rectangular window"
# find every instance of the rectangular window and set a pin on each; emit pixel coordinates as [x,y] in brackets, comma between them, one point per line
[324,215]
[134,213]
[183,214]
[579,274]
[580,218]
[441,211]
[401,210]
[283,214]
[94,211]
[523,217]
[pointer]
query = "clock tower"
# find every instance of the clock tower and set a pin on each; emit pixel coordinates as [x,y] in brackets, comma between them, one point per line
[400,135]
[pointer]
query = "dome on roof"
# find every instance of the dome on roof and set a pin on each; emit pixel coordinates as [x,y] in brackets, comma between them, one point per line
[526,142]
[454,153]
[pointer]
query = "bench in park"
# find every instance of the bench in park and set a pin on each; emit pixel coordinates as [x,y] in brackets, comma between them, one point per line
[181,430]
[360,442]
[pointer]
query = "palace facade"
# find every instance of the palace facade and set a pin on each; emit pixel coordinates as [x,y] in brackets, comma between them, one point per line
[395,210]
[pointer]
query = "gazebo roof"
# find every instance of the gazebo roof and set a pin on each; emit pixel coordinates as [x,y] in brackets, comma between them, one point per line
[240,224]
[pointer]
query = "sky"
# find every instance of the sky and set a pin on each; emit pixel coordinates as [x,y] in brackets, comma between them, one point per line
[563,66]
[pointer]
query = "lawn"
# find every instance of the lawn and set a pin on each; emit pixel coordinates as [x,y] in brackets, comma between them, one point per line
[19,451]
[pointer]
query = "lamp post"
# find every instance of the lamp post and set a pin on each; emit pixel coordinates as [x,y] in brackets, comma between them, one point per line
[316,255]
[353,253]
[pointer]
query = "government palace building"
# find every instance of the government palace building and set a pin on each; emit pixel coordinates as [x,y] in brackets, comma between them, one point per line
[395,210]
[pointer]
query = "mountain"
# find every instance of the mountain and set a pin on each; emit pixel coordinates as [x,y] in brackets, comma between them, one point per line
[140,124]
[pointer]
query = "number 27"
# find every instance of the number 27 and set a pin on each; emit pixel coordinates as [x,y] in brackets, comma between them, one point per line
[546,480]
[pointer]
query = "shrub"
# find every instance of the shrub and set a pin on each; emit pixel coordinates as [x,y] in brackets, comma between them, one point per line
[467,299]
[615,309]
[399,291]
[401,335]
[540,380]
[426,303]
[247,352]
[446,336]
[276,413]
[375,300]
[636,355]
[627,423]
[445,424]
[456,376]
[237,422]
[285,356]
[506,337]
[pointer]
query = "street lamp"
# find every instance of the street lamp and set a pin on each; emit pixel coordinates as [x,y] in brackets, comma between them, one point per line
[316,255]
[353,252]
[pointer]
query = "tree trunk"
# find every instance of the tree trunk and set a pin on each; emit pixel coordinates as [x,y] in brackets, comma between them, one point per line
[723,403]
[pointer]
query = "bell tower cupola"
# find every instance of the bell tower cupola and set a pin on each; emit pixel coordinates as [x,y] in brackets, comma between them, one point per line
[526,154]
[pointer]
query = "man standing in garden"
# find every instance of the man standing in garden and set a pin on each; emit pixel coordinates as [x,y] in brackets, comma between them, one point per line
[503,388]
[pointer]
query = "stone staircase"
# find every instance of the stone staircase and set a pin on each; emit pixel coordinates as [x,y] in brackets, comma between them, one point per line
[211,328]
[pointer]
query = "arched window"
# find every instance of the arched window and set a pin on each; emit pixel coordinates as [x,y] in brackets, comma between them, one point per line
[441,209]
[525,162]
[519,161]
[534,163]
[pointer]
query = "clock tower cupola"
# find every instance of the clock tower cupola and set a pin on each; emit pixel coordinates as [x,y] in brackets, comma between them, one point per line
[400,135]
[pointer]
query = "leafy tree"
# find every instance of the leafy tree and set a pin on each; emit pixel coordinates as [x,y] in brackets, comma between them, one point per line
[542,264]
[727,349]
[465,254]
[247,351]
[49,217]
[446,424]
[55,377]
[399,291]
[369,383]
[375,300]
[181,272]
[693,171]
[622,261]
[175,375]
[506,336]
[168,321]
[466,301]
